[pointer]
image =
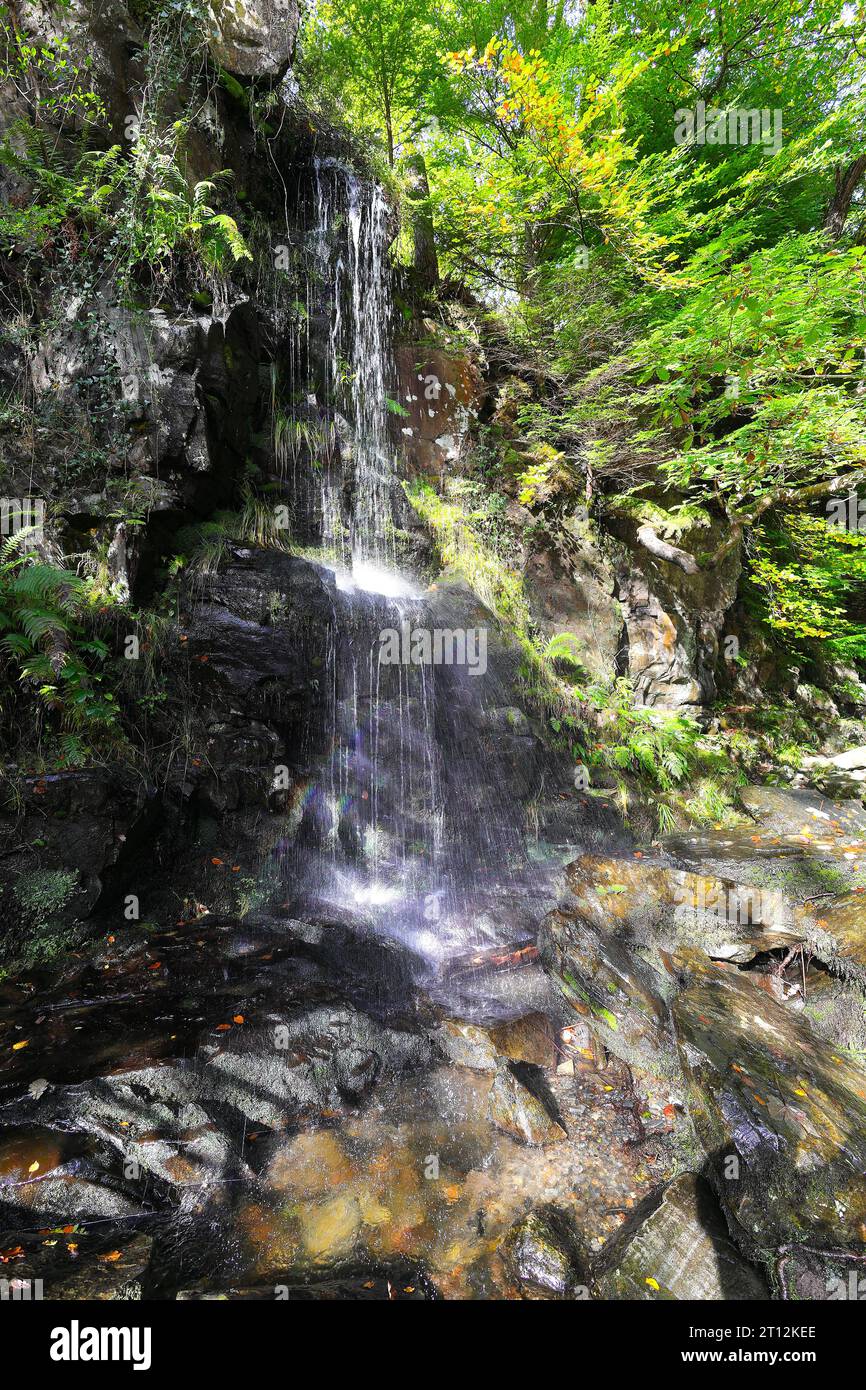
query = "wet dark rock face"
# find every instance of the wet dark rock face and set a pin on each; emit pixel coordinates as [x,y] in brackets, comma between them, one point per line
[71,837]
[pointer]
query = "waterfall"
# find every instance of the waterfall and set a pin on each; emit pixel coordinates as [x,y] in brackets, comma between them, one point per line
[408,826]
[340,365]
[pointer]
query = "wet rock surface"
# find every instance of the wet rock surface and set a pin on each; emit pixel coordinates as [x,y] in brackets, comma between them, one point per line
[781,1116]
[676,1246]
[260,1145]
[753,997]
[542,1254]
[73,1264]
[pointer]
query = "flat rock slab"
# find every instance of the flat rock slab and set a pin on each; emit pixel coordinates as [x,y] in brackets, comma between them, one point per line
[658,907]
[675,1247]
[802,843]
[784,811]
[74,1266]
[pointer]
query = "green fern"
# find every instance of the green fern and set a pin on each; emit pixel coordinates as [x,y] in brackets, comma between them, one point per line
[40,608]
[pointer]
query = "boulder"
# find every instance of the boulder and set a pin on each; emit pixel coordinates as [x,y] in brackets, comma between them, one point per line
[528,1038]
[254,38]
[514,1109]
[675,1247]
[466,1045]
[780,1114]
[541,1255]
[853,760]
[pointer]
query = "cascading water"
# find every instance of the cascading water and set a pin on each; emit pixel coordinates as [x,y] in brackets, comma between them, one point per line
[412,826]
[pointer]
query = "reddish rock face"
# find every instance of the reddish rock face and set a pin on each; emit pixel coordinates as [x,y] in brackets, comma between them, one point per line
[441,396]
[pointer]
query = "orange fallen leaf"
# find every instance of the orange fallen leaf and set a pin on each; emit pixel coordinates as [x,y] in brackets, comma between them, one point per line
[238,1018]
[223,1027]
[218,862]
[111,1257]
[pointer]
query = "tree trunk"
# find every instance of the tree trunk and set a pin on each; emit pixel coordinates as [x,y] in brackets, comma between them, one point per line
[424,257]
[846,186]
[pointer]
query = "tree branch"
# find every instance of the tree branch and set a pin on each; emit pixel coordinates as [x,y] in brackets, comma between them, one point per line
[652,542]
[793,496]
